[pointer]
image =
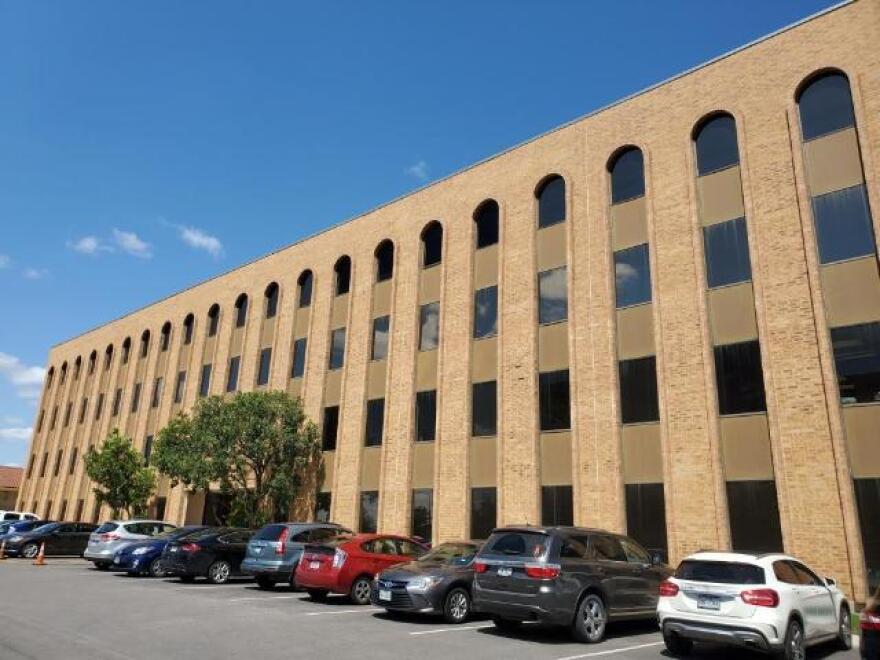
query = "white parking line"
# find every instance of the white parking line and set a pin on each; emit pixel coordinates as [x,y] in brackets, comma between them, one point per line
[360,610]
[238,600]
[457,628]
[597,654]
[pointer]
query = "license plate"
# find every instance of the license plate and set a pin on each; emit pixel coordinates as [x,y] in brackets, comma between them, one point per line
[505,571]
[314,565]
[708,603]
[174,549]
[384,594]
[257,551]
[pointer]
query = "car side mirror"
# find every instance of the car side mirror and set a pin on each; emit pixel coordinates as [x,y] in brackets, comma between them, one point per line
[830,581]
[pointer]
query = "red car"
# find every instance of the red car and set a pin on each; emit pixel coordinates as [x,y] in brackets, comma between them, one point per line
[347,565]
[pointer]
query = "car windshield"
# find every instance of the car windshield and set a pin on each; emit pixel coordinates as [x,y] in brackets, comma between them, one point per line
[517,544]
[200,534]
[722,572]
[269,533]
[42,529]
[175,533]
[454,554]
[106,528]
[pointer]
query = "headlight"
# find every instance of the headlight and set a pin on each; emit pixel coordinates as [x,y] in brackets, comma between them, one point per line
[423,583]
[140,551]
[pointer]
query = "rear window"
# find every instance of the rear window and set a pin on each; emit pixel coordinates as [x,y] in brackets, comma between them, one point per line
[724,572]
[518,544]
[269,533]
[106,528]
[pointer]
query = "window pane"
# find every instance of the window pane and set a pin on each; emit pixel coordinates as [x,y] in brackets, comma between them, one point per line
[330,428]
[826,106]
[557,506]
[337,348]
[157,393]
[868,504]
[375,422]
[422,513]
[429,328]
[638,390]
[426,415]
[727,253]
[754,516]
[213,321]
[716,145]
[380,338]
[265,363]
[646,516]
[271,301]
[148,449]
[632,275]
[552,295]
[232,377]
[343,276]
[843,225]
[299,358]
[554,400]
[305,289]
[135,400]
[205,382]
[483,512]
[384,261]
[178,386]
[857,360]
[740,378]
[486,312]
[432,245]
[369,511]
[551,202]
[484,409]
[241,312]
[628,176]
[487,224]
[322,507]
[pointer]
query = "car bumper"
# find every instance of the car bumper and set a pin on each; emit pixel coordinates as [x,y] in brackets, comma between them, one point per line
[98,555]
[258,567]
[404,600]
[320,580]
[520,607]
[131,562]
[13,550]
[740,636]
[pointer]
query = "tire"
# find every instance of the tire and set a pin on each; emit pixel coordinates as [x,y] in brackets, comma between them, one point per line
[219,572]
[317,595]
[844,630]
[188,579]
[457,605]
[360,591]
[265,582]
[30,551]
[590,619]
[795,648]
[155,568]
[676,644]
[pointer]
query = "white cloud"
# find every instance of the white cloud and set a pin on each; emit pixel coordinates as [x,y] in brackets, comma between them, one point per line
[27,381]
[418,171]
[90,245]
[131,243]
[199,240]
[5,261]
[15,434]
[12,421]
[35,273]
[625,274]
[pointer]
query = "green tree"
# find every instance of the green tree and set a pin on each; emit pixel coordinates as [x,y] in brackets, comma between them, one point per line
[121,478]
[257,447]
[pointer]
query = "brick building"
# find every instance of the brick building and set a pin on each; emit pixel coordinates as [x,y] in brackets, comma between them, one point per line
[663,317]
[10,481]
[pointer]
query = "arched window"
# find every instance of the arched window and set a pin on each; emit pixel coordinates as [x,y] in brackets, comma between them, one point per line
[63,372]
[108,357]
[825,105]
[241,305]
[271,296]
[342,270]
[715,144]
[304,282]
[213,319]
[50,376]
[165,337]
[551,201]
[627,169]
[76,367]
[432,244]
[188,325]
[145,343]
[384,260]
[486,217]
[126,350]
[93,360]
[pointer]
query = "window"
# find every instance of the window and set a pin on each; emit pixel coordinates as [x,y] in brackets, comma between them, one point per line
[188,325]
[432,244]
[632,276]
[322,507]
[232,376]
[108,360]
[299,358]
[205,380]
[422,513]
[607,547]
[739,377]
[117,401]
[241,307]
[429,326]
[554,400]
[638,390]
[552,295]
[868,505]
[484,409]
[99,406]
[754,516]
[384,261]
[67,412]
[54,418]
[179,386]
[825,105]
[646,515]
[135,397]
[165,337]
[330,428]
[145,344]
[715,144]
[58,456]
[157,392]
[342,270]
[857,361]
[72,466]
[30,468]
[78,365]
[551,201]
[64,370]
[40,421]
[50,376]
[379,350]
[305,288]
[43,467]
[483,512]
[727,253]
[126,352]
[843,224]
[426,415]
[486,218]
[375,422]
[557,506]
[369,511]
[337,348]
[80,505]
[213,320]
[148,449]
[264,367]
[486,312]
[93,358]
[627,175]
[82,410]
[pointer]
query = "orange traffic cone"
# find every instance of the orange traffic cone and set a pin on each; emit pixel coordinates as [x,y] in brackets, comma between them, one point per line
[2,550]
[41,556]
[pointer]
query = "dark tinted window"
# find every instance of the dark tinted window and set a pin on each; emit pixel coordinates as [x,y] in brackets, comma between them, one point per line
[179,386]
[270,533]
[486,312]
[429,326]
[518,544]
[484,409]
[106,528]
[551,202]
[483,512]
[722,572]
[638,390]
[739,378]
[486,218]
[264,365]
[375,422]
[369,511]
[322,507]
[422,513]
[379,350]
[553,295]
[426,415]
[164,344]
[627,176]
[271,300]
[337,348]
[205,382]
[299,358]
[716,145]
[384,261]
[330,428]
[868,504]
[632,276]
[727,253]
[557,507]
[784,572]
[241,307]
[232,377]
[646,515]
[157,393]
[554,400]
[148,449]
[188,324]
[343,275]
[843,224]
[432,245]
[754,516]
[825,106]
[135,401]
[305,288]
[213,320]
[117,403]
[607,548]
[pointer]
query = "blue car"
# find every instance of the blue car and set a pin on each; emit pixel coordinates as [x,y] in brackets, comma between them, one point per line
[145,557]
[10,528]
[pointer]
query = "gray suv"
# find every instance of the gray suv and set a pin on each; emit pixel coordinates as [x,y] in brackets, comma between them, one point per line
[273,553]
[116,534]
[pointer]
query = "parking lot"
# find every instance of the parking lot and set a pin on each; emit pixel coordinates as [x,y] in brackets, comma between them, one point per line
[69,610]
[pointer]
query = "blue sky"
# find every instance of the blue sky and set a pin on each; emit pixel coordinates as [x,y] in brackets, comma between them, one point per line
[145,146]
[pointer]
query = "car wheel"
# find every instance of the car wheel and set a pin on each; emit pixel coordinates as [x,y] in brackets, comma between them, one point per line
[457,605]
[156,569]
[590,620]
[676,644]
[360,591]
[506,625]
[844,630]
[265,582]
[318,595]
[219,572]
[794,649]
[30,551]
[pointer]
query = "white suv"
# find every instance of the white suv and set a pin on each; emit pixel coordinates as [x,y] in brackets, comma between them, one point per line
[770,602]
[17,515]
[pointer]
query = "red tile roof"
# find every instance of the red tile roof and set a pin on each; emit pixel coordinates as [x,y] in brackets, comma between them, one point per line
[10,477]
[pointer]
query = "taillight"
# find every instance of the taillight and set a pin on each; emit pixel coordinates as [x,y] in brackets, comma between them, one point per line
[668,589]
[480,567]
[339,558]
[869,620]
[282,541]
[760,597]
[189,547]
[542,571]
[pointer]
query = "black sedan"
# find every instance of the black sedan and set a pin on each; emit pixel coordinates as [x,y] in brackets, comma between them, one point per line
[61,538]
[438,583]
[215,553]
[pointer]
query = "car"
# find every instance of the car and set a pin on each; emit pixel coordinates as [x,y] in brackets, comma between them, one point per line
[274,552]
[114,535]
[10,527]
[438,582]
[869,629]
[214,552]
[347,564]
[145,557]
[766,602]
[60,538]
[567,576]
[17,515]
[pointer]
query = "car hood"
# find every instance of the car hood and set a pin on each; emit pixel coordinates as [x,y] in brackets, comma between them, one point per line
[413,569]
[133,545]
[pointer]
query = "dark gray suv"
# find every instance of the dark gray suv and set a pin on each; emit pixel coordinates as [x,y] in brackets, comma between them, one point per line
[571,576]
